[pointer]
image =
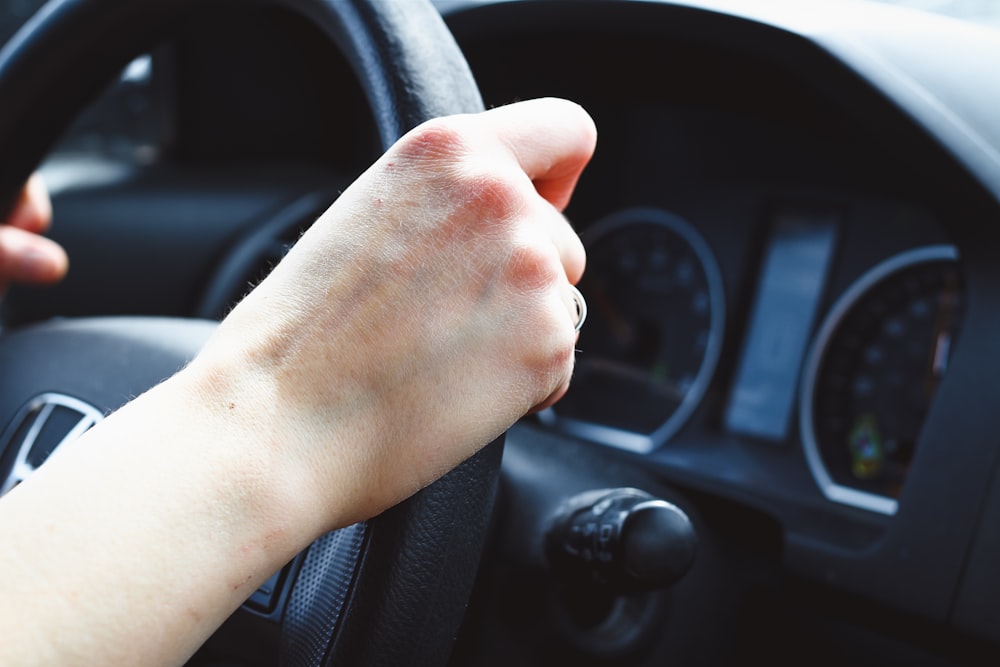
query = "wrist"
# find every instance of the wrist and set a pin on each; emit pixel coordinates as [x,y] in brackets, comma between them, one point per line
[286,468]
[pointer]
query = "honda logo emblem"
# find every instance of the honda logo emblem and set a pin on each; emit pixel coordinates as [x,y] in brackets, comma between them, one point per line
[38,430]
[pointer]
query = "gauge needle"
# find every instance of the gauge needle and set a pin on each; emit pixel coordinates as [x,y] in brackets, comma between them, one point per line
[941,350]
[942,340]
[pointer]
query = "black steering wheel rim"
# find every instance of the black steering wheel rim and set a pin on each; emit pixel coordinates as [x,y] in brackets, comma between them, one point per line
[406,597]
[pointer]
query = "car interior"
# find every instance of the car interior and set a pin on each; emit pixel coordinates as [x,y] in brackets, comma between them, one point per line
[780,443]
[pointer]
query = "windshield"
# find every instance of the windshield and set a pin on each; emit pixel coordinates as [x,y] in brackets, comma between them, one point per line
[976,11]
[14,12]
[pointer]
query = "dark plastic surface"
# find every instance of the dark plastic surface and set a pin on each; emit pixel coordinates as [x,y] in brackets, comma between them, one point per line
[977,606]
[104,362]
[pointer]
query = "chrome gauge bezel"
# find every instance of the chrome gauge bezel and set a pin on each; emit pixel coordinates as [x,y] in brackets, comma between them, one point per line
[644,443]
[839,493]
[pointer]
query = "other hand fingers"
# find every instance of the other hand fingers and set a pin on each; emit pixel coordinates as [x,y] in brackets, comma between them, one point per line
[27,257]
[33,210]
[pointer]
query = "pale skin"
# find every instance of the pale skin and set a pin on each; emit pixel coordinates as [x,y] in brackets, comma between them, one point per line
[421,316]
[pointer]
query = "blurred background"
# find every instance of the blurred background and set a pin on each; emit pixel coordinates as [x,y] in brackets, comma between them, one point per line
[131,120]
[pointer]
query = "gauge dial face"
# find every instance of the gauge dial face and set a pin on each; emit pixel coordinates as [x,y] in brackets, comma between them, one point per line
[877,364]
[652,337]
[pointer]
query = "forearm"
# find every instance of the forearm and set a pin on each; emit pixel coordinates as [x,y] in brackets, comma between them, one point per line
[144,536]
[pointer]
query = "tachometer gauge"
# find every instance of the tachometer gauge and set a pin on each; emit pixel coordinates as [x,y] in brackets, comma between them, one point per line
[652,339]
[873,372]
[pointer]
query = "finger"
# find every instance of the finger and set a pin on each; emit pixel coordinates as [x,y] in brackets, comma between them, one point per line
[575,316]
[551,139]
[555,396]
[568,243]
[552,399]
[33,210]
[27,257]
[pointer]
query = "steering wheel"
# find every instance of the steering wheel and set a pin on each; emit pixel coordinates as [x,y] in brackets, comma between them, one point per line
[391,591]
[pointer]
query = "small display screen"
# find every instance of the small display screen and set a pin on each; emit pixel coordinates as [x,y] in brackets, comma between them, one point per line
[792,279]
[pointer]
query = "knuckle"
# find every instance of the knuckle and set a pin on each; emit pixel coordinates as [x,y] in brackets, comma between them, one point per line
[549,344]
[489,195]
[554,365]
[533,267]
[439,139]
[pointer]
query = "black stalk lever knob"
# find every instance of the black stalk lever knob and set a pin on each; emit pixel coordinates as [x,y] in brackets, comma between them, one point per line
[623,539]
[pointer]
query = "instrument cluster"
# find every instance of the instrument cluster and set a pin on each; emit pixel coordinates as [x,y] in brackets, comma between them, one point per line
[846,374]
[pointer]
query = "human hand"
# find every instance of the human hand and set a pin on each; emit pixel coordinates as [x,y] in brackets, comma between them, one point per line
[25,255]
[427,310]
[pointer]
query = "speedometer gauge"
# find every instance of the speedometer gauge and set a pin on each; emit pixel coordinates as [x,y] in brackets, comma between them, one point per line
[873,373]
[653,336]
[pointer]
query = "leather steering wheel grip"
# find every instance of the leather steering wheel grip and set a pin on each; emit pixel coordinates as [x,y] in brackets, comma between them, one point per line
[406,597]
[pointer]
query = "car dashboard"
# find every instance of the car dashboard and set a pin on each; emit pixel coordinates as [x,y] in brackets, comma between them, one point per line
[791,221]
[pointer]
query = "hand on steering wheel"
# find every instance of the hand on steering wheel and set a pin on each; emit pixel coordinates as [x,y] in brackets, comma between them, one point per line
[432,301]
[412,573]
